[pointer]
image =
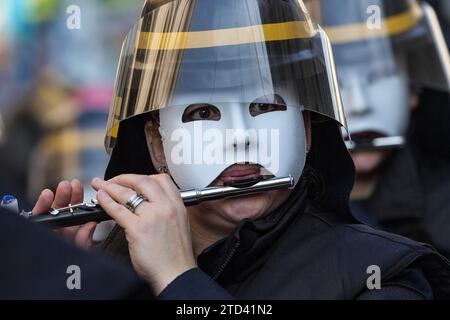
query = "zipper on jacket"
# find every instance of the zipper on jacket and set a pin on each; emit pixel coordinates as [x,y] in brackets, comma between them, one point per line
[227,260]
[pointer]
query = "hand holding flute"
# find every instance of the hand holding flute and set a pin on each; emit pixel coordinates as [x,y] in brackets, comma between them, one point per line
[65,194]
[82,217]
[158,230]
[78,214]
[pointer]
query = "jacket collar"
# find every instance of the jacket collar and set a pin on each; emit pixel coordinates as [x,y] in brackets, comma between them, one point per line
[245,250]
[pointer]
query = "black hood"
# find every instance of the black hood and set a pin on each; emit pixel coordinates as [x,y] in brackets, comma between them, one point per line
[130,154]
[330,158]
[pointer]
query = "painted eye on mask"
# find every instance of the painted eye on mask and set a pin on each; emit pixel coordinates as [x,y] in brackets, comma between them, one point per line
[201,112]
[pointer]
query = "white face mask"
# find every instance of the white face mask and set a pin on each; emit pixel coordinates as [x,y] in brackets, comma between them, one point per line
[375,100]
[197,152]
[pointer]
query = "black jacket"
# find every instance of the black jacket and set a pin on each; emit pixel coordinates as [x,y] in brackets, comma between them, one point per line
[412,197]
[310,248]
[302,252]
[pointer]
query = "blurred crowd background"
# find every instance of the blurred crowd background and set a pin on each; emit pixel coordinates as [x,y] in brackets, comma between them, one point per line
[55,89]
[56,85]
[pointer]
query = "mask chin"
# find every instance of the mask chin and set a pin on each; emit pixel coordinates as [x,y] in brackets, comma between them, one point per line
[199,152]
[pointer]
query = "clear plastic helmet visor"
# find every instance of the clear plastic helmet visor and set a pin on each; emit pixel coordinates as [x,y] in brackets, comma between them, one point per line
[384,29]
[224,51]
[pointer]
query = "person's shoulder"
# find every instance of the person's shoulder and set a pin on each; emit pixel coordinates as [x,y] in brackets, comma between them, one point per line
[359,248]
[353,234]
[33,256]
[336,257]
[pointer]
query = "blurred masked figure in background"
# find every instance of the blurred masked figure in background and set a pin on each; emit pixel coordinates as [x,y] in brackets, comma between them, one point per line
[394,72]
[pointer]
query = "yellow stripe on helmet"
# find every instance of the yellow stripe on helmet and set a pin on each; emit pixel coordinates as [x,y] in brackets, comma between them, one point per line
[391,26]
[226,37]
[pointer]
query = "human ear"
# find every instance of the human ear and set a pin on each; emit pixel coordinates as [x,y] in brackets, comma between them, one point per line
[155,145]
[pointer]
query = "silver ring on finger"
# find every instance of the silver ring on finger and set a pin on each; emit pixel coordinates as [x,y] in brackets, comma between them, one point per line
[135,200]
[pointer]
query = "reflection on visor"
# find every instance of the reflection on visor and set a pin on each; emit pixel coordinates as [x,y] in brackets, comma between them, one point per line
[191,52]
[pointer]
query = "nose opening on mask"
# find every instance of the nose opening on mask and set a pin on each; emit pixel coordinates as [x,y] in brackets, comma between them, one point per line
[245,143]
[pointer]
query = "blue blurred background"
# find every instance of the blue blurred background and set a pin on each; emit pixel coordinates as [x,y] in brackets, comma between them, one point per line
[55,89]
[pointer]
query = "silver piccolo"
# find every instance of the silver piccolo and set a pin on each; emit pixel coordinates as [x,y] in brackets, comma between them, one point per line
[79,214]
